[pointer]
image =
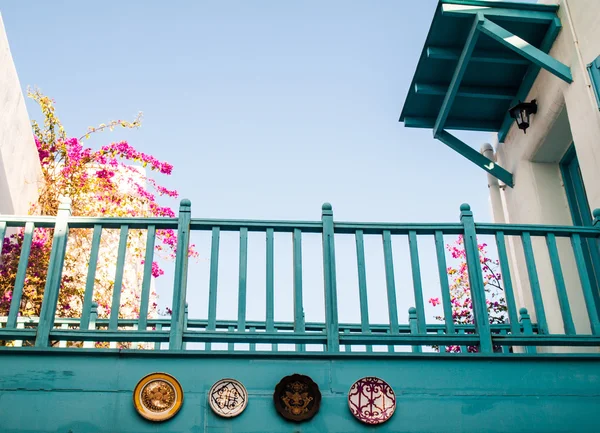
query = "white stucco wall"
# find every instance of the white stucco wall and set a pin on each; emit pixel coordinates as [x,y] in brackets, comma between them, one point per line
[20,172]
[567,113]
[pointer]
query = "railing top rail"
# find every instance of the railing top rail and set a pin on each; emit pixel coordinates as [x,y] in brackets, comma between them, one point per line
[341,227]
[89,222]
[397,228]
[535,229]
[115,223]
[256,225]
[20,220]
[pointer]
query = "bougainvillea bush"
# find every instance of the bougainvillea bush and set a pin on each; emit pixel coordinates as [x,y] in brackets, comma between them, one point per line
[110,181]
[460,291]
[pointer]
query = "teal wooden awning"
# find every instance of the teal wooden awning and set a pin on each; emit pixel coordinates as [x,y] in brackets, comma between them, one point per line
[479,59]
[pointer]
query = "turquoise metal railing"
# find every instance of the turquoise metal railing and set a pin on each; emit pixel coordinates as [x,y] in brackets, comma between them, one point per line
[179,331]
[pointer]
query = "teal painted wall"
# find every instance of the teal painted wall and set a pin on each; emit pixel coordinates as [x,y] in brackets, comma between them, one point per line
[83,393]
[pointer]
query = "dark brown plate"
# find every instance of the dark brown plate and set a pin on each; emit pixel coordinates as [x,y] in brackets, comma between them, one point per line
[297,398]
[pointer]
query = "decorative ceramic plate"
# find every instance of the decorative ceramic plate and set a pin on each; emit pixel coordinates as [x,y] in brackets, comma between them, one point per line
[228,398]
[371,400]
[297,398]
[158,396]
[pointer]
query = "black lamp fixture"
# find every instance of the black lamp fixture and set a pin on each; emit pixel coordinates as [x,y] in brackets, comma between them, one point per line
[521,112]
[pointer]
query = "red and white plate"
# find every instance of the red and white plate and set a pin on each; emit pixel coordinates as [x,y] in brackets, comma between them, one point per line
[371,400]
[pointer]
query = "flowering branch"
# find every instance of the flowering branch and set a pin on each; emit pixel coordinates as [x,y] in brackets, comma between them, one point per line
[111,126]
[109,181]
[460,290]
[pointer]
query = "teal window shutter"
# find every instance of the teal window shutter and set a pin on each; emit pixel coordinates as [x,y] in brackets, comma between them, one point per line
[594,71]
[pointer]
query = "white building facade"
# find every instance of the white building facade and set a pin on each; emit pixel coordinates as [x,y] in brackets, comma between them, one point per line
[20,171]
[556,163]
[481,60]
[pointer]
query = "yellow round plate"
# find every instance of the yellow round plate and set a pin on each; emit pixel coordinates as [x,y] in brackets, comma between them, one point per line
[158,396]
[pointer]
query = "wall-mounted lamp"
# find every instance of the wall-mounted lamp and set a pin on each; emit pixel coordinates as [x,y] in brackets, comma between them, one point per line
[521,112]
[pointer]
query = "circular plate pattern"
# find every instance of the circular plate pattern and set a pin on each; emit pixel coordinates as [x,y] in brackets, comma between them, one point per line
[228,398]
[371,400]
[297,398]
[158,396]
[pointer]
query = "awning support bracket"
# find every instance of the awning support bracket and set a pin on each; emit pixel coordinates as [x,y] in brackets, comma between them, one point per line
[459,72]
[438,128]
[471,154]
[525,49]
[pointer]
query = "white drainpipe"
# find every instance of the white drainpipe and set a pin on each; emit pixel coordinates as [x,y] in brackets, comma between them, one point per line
[487,150]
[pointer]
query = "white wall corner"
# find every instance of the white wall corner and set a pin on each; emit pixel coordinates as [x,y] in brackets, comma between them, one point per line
[20,171]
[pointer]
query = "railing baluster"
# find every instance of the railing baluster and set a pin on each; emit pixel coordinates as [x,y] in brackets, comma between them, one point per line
[330,280]
[63,343]
[231,345]
[441,349]
[413,322]
[270,296]
[561,290]
[527,328]
[534,282]
[17,293]
[299,325]
[157,344]
[214,277]
[252,345]
[91,277]
[463,349]
[147,279]
[416,276]
[586,285]
[593,245]
[19,343]
[390,284]
[509,294]
[505,348]
[116,299]
[243,275]
[92,324]
[185,324]
[482,323]
[445,287]
[53,277]
[362,285]
[181,272]
[347,347]
[390,347]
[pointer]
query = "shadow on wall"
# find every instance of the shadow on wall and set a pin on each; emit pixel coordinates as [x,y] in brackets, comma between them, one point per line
[6,200]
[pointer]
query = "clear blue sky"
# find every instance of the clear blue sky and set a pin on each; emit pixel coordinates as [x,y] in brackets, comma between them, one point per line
[266,109]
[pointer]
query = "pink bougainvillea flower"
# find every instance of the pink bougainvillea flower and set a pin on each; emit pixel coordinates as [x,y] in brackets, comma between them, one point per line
[107,181]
